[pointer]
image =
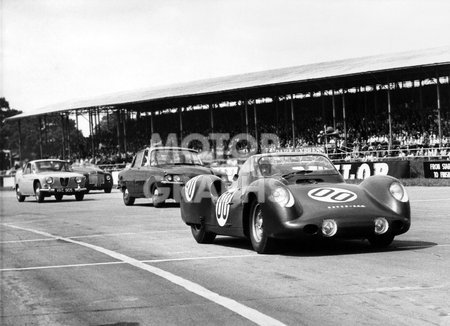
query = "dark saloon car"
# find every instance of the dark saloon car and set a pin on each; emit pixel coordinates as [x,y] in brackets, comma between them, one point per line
[159,173]
[96,178]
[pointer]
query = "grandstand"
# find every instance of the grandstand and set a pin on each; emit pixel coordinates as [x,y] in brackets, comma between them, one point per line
[381,106]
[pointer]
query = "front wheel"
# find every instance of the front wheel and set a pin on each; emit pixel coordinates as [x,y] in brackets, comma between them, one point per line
[381,241]
[201,235]
[156,198]
[19,196]
[261,243]
[108,190]
[127,199]
[79,196]
[38,194]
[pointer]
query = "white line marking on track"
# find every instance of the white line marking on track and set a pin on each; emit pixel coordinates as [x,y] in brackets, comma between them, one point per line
[168,260]
[246,312]
[98,235]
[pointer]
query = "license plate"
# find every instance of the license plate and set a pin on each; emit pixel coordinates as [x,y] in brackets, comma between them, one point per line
[64,190]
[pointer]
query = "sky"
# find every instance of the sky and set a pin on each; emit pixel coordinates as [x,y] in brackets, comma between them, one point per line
[58,50]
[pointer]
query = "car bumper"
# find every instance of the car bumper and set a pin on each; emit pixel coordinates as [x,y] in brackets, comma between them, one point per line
[346,227]
[170,189]
[65,191]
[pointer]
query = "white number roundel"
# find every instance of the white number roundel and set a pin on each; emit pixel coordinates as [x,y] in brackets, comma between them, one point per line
[332,195]
[189,188]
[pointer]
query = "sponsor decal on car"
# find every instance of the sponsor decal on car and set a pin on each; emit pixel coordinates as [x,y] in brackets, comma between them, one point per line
[332,195]
[189,188]
[223,206]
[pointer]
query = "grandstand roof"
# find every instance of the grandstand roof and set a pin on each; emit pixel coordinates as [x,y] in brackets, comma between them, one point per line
[355,69]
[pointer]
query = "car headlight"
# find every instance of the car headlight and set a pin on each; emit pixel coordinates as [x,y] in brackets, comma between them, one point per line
[108,177]
[176,178]
[78,179]
[282,196]
[168,177]
[398,192]
[49,180]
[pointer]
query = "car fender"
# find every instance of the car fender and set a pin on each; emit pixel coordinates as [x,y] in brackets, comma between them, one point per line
[276,215]
[378,188]
[198,197]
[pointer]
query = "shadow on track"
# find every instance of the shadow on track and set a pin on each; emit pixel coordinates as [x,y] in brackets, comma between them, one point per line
[326,247]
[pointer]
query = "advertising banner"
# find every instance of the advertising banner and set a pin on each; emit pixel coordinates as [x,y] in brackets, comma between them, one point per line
[363,170]
[436,169]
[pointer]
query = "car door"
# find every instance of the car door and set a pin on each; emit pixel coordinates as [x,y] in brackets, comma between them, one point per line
[26,181]
[131,175]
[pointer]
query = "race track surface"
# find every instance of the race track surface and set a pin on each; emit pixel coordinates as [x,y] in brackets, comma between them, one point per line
[98,262]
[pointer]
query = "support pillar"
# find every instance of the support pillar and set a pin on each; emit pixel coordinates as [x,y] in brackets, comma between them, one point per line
[333,102]
[438,101]
[40,137]
[19,126]
[389,116]
[344,117]
[256,125]
[292,121]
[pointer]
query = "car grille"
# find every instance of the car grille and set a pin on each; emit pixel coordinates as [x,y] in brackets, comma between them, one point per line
[67,182]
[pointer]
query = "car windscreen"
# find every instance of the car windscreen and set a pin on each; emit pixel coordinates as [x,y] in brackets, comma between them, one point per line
[281,165]
[174,157]
[46,166]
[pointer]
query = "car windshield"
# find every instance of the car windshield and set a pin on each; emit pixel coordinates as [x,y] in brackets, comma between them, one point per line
[174,157]
[45,166]
[285,165]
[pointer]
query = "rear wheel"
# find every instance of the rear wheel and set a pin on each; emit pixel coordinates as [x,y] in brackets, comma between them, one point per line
[79,196]
[38,194]
[258,236]
[201,235]
[59,197]
[108,190]
[381,241]
[19,196]
[127,199]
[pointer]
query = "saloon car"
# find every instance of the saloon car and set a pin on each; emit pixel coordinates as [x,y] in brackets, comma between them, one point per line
[96,178]
[292,196]
[159,173]
[49,177]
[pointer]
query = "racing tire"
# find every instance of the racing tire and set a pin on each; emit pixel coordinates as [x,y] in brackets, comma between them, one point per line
[38,194]
[79,196]
[381,241]
[157,202]
[19,196]
[59,197]
[261,243]
[201,235]
[108,190]
[127,199]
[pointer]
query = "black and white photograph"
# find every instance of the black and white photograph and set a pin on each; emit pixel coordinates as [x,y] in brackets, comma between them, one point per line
[224,162]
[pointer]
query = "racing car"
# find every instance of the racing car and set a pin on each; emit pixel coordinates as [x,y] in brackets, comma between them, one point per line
[293,195]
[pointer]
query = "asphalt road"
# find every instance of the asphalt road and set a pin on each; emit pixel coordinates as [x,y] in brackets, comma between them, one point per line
[98,262]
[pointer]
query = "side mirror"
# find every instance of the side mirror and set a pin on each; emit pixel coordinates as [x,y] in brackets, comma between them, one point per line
[235,177]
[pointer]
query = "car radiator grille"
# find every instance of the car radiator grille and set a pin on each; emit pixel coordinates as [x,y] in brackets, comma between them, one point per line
[68,182]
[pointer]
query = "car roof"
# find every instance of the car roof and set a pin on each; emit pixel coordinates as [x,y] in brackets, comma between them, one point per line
[48,160]
[171,147]
[257,156]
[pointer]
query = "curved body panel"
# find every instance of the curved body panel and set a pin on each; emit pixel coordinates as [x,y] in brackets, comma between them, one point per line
[301,199]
